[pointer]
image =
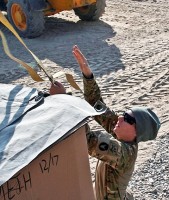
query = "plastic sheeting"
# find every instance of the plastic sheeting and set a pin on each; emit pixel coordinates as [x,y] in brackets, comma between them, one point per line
[29,123]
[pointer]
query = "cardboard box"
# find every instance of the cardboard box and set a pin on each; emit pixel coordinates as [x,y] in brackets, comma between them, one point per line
[61,172]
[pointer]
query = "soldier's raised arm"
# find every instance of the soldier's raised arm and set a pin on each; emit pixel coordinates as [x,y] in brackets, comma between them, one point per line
[92,92]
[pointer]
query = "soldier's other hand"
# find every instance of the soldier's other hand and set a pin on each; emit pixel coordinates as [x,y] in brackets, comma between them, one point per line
[82,61]
[57,88]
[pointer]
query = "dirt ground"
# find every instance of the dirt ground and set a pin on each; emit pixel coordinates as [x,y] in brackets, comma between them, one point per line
[128,51]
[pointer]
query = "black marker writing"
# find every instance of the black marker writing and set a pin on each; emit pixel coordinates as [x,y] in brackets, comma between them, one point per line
[15,186]
[46,164]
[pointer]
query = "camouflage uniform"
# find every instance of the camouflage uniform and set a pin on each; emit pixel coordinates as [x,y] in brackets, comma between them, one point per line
[116,158]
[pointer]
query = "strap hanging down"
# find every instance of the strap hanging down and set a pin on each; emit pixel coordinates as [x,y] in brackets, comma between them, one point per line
[30,70]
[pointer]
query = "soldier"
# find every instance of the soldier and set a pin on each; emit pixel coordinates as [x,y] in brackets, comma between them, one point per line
[116,149]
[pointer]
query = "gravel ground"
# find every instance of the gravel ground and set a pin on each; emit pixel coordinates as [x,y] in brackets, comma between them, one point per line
[151,179]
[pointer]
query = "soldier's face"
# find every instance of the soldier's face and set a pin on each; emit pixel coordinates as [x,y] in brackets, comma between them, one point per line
[125,128]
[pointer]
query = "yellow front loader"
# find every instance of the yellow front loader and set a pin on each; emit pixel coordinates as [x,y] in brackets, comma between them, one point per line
[27,16]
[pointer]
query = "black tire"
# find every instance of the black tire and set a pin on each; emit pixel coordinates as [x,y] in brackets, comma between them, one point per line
[91,12]
[2,5]
[34,20]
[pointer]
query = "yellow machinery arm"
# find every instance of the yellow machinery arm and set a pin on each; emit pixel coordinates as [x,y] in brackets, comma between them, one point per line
[58,6]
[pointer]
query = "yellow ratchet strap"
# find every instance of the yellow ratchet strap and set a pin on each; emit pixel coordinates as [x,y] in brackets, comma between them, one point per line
[30,70]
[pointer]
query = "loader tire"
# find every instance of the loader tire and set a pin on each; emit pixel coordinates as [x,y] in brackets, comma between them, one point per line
[91,12]
[28,23]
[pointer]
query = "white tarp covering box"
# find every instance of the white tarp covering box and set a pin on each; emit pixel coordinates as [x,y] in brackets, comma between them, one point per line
[43,150]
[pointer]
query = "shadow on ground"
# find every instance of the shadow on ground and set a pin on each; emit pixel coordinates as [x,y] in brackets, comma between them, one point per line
[56,43]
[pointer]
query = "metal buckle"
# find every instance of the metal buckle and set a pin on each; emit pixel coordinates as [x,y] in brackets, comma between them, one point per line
[100,106]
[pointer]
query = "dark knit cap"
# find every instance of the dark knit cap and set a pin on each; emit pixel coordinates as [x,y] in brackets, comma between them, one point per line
[147,123]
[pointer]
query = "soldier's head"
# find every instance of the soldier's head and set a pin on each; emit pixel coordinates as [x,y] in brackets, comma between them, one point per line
[138,123]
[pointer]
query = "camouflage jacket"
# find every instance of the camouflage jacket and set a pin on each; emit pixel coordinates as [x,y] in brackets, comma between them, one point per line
[116,158]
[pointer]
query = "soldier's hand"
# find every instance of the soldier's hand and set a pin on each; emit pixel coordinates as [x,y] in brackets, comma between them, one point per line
[57,88]
[82,61]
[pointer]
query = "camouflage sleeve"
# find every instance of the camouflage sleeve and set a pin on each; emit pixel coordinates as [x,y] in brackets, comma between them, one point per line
[118,155]
[92,94]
